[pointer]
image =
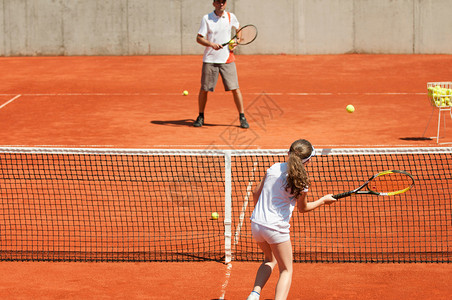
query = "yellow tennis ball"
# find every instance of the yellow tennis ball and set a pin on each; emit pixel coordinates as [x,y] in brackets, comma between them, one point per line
[350,108]
[185,93]
[231,45]
[214,215]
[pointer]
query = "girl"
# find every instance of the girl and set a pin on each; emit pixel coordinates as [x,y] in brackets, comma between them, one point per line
[283,186]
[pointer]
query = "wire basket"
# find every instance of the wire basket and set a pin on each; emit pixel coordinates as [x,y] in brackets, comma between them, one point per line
[440,93]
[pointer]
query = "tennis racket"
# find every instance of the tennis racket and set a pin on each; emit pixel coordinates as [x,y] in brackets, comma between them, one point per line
[245,35]
[387,183]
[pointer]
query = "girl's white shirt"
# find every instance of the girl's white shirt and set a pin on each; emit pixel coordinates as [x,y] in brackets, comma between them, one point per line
[275,206]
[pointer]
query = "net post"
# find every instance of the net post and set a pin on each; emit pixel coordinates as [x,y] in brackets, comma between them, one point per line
[227,206]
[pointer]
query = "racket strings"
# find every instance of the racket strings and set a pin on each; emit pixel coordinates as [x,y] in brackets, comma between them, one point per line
[246,35]
[391,182]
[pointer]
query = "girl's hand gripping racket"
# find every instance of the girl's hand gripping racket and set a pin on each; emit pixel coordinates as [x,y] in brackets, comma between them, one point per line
[244,36]
[387,183]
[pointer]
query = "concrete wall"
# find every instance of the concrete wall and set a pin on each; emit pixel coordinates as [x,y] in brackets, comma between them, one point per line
[156,27]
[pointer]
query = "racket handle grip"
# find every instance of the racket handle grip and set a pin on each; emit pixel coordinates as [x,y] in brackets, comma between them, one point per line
[343,195]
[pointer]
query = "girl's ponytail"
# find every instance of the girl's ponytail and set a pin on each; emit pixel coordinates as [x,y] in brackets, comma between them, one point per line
[297,176]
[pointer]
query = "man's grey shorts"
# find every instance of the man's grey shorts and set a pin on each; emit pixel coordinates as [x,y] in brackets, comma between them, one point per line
[210,73]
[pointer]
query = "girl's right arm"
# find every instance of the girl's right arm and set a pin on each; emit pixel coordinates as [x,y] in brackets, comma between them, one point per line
[305,206]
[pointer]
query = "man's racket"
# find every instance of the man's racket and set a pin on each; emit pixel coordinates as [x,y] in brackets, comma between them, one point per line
[244,36]
[387,183]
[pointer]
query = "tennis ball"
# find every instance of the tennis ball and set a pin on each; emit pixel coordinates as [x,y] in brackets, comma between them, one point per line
[350,108]
[436,96]
[231,45]
[185,93]
[214,215]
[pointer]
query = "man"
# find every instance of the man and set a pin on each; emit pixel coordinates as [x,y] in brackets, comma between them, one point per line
[215,30]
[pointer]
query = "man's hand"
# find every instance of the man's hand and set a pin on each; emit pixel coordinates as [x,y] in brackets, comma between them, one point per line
[203,41]
[216,46]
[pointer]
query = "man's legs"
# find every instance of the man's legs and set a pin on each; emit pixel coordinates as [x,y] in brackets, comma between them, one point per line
[202,101]
[238,100]
[209,79]
[208,82]
[231,83]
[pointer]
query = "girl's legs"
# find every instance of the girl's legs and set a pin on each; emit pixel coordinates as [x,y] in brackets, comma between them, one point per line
[265,269]
[284,257]
[280,254]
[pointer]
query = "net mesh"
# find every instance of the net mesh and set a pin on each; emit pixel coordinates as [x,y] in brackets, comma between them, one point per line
[156,205]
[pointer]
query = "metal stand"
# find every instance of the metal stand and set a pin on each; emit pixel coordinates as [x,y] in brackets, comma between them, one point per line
[439,94]
[440,111]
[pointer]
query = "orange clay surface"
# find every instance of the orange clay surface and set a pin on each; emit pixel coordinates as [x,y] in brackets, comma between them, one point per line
[137,102]
[206,280]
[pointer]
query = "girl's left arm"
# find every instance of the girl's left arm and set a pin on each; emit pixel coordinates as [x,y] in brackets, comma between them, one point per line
[258,189]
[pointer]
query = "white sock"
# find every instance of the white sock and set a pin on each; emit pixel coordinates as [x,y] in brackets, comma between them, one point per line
[255,294]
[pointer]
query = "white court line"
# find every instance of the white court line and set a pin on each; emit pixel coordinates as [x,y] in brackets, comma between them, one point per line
[264,147]
[245,205]
[8,102]
[94,94]
[226,281]
[355,94]
[260,93]
[237,231]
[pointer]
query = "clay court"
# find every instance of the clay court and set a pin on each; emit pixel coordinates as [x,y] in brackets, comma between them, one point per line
[137,103]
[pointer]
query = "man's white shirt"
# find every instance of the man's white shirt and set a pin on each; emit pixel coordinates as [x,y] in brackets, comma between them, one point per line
[217,30]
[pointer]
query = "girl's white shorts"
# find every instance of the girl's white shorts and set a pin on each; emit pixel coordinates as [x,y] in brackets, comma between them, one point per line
[265,234]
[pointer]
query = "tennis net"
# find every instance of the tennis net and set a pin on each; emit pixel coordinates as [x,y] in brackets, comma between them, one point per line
[155,205]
